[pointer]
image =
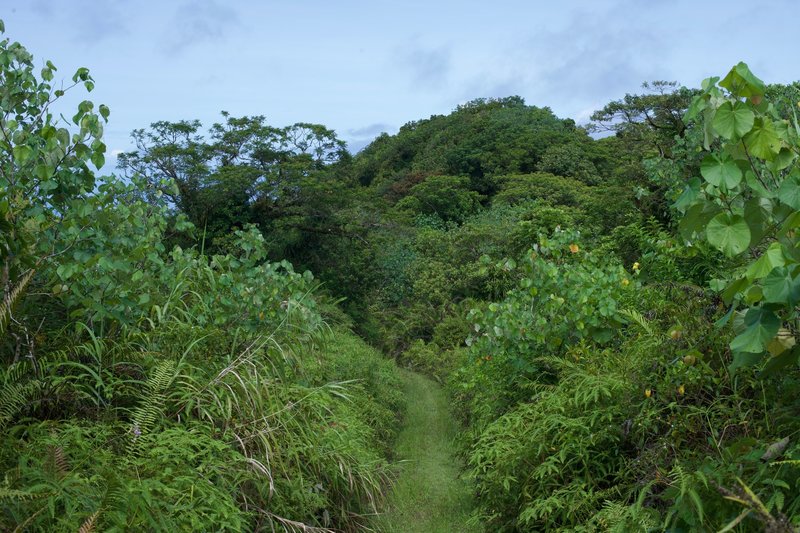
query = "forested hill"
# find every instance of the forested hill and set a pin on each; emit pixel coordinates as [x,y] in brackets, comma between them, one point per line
[479,139]
[210,339]
[352,219]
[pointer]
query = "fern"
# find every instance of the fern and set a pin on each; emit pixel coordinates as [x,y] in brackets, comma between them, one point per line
[88,524]
[151,405]
[684,488]
[15,397]
[637,318]
[12,298]
[618,517]
[60,461]
[22,495]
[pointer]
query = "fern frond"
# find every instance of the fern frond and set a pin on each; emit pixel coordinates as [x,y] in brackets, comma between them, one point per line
[60,460]
[152,402]
[637,318]
[88,524]
[14,397]
[12,298]
[686,483]
[14,494]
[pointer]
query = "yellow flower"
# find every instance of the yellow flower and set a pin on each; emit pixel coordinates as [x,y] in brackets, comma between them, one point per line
[626,282]
[574,248]
[681,390]
[648,393]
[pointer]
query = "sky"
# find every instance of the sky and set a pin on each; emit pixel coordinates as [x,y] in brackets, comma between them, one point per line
[365,67]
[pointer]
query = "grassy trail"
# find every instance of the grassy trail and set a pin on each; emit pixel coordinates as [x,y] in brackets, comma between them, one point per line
[429,496]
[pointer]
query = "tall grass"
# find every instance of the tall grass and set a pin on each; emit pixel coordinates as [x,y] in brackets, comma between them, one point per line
[176,426]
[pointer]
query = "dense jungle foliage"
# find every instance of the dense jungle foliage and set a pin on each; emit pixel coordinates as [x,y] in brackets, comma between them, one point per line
[612,310]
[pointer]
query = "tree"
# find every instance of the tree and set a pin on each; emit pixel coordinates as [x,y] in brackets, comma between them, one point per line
[45,177]
[569,160]
[652,119]
[170,152]
[446,197]
[289,181]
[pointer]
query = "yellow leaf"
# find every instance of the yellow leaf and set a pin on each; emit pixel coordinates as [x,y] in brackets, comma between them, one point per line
[783,341]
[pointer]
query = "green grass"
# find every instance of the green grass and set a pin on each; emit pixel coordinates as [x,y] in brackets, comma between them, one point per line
[429,496]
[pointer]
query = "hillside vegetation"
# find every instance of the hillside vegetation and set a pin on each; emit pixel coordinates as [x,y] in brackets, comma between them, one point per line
[211,339]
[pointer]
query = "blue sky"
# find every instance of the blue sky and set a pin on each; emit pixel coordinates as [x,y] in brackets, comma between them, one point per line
[362,67]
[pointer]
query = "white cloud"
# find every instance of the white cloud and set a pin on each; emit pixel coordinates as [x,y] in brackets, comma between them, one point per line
[199,21]
[429,67]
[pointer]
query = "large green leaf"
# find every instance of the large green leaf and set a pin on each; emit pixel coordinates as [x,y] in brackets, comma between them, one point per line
[733,120]
[721,171]
[769,260]
[763,141]
[784,158]
[734,288]
[22,153]
[741,82]
[699,103]
[745,359]
[760,326]
[754,183]
[757,215]
[791,222]
[708,128]
[780,361]
[790,248]
[781,287]
[728,233]
[789,191]
[708,84]
[696,219]
[688,196]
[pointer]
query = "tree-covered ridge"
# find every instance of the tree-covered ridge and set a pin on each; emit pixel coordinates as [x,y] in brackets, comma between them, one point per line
[480,139]
[614,319]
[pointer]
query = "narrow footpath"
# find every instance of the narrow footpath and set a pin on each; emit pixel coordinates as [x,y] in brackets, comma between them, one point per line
[429,495]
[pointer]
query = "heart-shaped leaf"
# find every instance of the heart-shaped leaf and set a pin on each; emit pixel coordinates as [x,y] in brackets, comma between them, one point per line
[789,191]
[781,287]
[733,120]
[721,171]
[741,82]
[728,233]
[770,259]
[760,327]
[762,141]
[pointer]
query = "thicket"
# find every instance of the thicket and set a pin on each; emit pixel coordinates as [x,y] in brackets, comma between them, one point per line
[646,380]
